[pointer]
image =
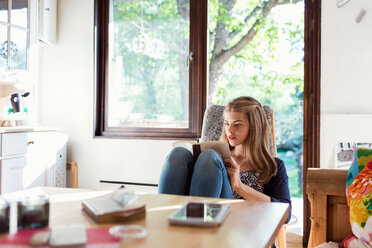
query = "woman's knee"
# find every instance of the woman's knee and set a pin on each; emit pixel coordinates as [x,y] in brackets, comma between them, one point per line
[210,159]
[180,154]
[179,157]
[177,164]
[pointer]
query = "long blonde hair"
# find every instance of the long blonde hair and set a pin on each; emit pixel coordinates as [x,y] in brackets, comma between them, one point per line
[257,142]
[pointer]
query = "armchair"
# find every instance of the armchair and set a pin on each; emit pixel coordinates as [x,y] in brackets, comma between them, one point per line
[212,130]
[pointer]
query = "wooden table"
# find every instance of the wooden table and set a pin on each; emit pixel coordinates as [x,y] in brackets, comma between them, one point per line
[249,224]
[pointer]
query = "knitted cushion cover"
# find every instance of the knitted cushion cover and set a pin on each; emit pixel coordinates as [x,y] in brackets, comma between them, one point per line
[359,199]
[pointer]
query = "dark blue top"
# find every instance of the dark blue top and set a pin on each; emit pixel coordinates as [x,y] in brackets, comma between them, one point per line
[277,188]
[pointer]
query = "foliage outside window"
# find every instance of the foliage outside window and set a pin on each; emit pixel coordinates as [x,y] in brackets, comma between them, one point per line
[269,64]
[152,85]
[257,49]
[14,34]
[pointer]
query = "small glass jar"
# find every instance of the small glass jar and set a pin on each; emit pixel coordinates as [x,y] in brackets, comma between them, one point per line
[4,215]
[33,212]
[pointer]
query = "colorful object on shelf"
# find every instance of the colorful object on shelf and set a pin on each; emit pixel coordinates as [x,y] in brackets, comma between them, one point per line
[16,101]
[359,199]
[13,112]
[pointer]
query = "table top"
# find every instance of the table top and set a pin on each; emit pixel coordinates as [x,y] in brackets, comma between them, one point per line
[249,224]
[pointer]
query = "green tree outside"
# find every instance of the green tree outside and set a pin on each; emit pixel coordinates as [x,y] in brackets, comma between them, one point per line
[247,39]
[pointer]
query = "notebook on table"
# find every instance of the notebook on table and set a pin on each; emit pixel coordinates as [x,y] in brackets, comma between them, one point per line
[107,209]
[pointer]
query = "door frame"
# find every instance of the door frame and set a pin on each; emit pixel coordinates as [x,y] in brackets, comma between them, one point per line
[311,138]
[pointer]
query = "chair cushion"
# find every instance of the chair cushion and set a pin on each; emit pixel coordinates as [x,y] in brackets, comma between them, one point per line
[212,123]
[268,110]
[359,199]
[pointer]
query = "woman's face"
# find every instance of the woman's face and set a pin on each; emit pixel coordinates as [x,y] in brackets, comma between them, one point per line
[236,128]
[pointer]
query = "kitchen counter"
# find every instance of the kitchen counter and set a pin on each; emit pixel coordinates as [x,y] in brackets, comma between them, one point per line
[18,129]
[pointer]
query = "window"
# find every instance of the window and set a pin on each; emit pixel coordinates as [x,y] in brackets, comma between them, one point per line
[268,66]
[14,34]
[150,68]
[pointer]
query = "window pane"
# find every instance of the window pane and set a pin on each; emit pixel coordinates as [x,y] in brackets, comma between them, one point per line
[18,49]
[19,13]
[269,67]
[148,72]
[3,47]
[4,11]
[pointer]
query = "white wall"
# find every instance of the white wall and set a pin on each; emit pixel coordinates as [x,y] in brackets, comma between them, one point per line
[66,93]
[346,78]
[66,100]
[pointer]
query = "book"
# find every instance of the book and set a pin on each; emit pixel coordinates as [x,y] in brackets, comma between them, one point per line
[107,209]
[196,148]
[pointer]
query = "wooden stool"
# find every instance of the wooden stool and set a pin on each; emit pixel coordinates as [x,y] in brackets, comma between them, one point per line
[72,166]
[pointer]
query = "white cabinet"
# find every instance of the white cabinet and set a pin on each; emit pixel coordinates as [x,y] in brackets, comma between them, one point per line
[13,144]
[46,160]
[31,159]
[12,174]
[12,162]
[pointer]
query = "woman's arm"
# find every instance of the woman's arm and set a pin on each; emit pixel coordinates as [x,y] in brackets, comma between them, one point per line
[233,170]
[277,188]
[250,194]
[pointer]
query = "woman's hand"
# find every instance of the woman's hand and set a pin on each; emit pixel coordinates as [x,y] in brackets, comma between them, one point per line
[233,170]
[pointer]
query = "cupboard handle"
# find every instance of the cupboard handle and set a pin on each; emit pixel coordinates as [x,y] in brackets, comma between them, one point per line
[30,142]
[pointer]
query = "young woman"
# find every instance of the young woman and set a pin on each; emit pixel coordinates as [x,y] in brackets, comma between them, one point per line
[250,173]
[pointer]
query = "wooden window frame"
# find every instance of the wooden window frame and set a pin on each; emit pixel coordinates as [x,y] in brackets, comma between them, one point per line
[197,77]
[311,139]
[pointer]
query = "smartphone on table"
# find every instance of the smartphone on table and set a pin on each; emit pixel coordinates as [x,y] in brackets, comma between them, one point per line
[207,214]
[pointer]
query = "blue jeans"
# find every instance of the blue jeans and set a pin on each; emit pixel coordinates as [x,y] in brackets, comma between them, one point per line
[205,177]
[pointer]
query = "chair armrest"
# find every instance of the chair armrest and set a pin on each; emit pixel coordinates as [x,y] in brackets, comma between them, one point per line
[321,185]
